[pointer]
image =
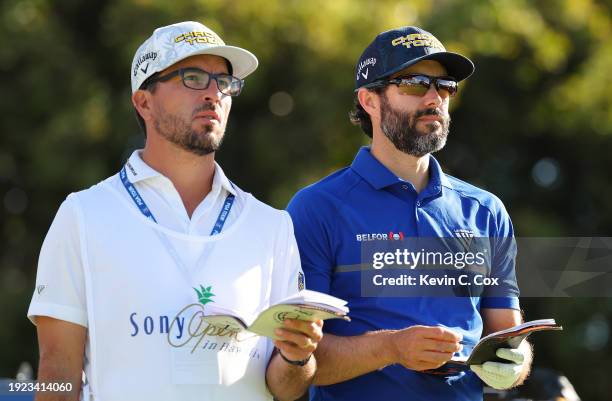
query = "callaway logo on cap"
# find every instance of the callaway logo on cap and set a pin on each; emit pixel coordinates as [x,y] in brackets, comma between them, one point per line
[394,50]
[173,43]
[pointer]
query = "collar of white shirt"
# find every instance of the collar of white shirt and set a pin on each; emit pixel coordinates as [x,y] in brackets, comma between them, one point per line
[138,170]
[166,205]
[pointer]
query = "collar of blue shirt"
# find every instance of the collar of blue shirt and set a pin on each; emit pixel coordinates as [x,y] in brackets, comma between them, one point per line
[379,176]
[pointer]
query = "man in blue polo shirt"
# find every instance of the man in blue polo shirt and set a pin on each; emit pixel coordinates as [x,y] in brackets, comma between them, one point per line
[395,189]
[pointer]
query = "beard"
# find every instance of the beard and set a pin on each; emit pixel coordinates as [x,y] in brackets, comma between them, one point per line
[179,131]
[400,127]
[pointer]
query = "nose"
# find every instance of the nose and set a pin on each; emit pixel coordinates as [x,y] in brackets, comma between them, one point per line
[432,98]
[212,93]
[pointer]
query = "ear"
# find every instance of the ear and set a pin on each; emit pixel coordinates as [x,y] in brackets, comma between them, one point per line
[370,102]
[141,100]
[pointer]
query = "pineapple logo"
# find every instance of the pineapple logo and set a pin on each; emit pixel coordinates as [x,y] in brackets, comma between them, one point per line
[204,294]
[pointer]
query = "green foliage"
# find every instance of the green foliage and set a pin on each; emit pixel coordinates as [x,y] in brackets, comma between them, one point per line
[540,91]
[204,294]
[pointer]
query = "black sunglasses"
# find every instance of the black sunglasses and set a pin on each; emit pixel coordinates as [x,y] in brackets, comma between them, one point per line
[419,84]
[195,78]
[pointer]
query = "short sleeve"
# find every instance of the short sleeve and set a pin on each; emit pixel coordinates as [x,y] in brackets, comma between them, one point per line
[313,240]
[60,287]
[503,244]
[288,275]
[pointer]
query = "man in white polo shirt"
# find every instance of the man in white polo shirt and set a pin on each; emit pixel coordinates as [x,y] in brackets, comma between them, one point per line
[131,264]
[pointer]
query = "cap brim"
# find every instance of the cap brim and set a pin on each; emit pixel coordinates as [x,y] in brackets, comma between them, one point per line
[243,61]
[457,66]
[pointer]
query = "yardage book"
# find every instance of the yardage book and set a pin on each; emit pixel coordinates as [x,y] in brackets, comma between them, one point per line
[303,305]
[485,349]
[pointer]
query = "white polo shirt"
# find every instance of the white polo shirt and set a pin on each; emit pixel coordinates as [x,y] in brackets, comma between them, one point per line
[138,286]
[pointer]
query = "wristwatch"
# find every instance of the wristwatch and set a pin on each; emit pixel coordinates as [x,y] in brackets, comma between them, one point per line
[295,363]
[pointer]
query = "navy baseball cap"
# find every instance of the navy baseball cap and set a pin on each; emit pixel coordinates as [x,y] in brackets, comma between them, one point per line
[394,50]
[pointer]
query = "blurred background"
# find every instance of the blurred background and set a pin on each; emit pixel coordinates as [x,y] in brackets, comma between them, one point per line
[533,124]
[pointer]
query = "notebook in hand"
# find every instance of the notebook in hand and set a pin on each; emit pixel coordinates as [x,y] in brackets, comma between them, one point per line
[485,349]
[303,305]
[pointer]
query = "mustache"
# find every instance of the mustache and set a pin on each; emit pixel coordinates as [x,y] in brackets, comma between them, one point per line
[429,112]
[204,107]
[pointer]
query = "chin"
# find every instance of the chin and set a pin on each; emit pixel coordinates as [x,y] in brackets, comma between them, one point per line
[207,129]
[432,131]
[432,125]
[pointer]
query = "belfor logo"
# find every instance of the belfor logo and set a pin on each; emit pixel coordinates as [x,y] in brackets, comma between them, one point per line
[391,236]
[204,294]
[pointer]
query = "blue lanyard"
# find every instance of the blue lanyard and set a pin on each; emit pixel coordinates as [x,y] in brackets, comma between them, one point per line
[144,209]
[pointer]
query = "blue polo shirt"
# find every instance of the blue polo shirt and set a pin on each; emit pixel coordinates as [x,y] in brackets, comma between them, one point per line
[366,201]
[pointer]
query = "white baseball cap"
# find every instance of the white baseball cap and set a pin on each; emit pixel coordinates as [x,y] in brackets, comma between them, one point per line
[173,43]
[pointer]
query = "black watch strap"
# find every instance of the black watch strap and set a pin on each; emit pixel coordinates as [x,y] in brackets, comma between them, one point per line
[295,363]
